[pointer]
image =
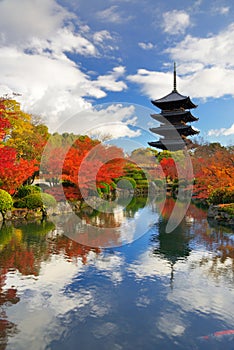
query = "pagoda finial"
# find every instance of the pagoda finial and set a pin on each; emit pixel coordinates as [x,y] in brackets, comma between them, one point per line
[174,90]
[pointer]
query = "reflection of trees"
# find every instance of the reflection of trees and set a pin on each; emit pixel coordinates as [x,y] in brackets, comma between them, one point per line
[87,234]
[177,244]
[7,297]
[135,204]
[174,245]
[171,246]
[218,240]
[24,248]
[71,249]
[94,228]
[99,219]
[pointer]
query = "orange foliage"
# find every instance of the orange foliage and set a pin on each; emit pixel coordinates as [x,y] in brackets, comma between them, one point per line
[213,171]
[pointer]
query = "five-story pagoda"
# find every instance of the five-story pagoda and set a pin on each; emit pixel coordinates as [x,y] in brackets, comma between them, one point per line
[173,118]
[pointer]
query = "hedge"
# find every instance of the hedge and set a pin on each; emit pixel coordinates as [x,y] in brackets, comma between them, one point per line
[36,200]
[27,190]
[6,202]
[222,196]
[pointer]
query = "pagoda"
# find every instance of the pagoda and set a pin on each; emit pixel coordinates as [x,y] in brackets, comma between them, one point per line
[173,118]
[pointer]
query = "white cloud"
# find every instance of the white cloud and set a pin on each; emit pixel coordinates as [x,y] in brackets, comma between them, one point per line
[145,46]
[223,10]
[26,19]
[175,22]
[114,120]
[214,50]
[102,35]
[110,81]
[153,84]
[34,60]
[222,131]
[64,40]
[209,82]
[113,15]
[205,68]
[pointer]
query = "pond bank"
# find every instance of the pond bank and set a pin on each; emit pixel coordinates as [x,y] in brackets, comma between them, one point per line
[222,213]
[24,214]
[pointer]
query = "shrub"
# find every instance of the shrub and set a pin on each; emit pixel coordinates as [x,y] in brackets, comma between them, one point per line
[36,200]
[27,190]
[126,183]
[142,184]
[105,187]
[229,196]
[138,176]
[229,209]
[20,203]
[222,196]
[6,202]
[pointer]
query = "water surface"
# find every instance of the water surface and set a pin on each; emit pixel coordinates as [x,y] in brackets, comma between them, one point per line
[161,291]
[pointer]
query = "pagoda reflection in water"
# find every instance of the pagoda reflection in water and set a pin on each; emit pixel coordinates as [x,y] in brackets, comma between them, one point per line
[173,118]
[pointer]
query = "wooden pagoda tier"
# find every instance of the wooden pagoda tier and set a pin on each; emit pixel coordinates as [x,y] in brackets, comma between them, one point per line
[171,145]
[174,116]
[175,113]
[182,129]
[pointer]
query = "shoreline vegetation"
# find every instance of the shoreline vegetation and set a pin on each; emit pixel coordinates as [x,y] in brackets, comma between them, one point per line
[220,213]
[39,171]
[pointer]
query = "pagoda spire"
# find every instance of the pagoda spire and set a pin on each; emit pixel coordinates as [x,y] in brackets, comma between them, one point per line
[174,90]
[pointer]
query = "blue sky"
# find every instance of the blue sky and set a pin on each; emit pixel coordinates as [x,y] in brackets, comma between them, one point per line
[66,57]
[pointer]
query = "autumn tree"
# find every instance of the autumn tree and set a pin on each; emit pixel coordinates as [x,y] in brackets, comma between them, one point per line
[21,145]
[27,138]
[213,168]
[85,165]
[103,162]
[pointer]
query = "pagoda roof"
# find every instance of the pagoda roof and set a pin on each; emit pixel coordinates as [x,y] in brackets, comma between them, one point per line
[182,129]
[183,115]
[174,100]
[171,145]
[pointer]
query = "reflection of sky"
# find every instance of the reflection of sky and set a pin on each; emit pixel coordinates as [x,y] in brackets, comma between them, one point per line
[123,296]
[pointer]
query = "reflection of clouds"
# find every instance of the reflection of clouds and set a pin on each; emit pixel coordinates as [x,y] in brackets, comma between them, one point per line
[171,324]
[44,299]
[142,301]
[127,231]
[195,288]
[149,265]
[104,330]
[109,265]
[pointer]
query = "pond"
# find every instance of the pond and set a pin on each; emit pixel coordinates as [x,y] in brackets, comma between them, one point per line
[155,290]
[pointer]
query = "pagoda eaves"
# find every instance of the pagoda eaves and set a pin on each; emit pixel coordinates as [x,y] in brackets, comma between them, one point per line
[173,116]
[174,100]
[182,129]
